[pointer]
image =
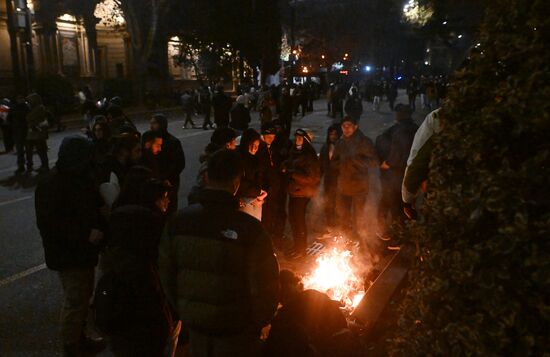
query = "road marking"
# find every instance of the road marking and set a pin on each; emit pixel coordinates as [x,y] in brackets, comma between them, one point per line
[15,200]
[22,274]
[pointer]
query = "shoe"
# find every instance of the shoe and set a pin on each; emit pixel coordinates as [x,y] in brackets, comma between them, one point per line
[92,345]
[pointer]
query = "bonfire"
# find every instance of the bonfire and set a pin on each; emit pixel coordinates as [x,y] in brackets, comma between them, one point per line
[339,276]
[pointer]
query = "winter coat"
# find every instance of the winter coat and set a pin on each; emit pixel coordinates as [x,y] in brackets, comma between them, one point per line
[402,136]
[354,107]
[429,126]
[251,182]
[38,129]
[17,117]
[222,105]
[304,172]
[328,172]
[171,160]
[240,117]
[132,255]
[311,324]
[352,158]
[218,268]
[417,172]
[67,209]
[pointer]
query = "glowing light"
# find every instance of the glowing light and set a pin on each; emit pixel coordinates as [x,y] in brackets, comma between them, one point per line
[322,56]
[67,17]
[305,69]
[444,22]
[337,66]
[417,14]
[427,50]
[368,68]
[294,52]
[426,63]
[109,13]
[334,275]
[459,36]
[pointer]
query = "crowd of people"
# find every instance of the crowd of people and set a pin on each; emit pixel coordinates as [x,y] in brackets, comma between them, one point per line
[110,205]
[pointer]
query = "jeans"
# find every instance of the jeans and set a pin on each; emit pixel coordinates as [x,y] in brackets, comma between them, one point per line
[391,201]
[330,205]
[351,210]
[20,148]
[78,287]
[188,118]
[297,207]
[41,149]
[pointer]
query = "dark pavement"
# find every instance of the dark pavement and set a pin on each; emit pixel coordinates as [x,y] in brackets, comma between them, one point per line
[30,294]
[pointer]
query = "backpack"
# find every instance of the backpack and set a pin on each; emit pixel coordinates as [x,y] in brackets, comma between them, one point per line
[110,305]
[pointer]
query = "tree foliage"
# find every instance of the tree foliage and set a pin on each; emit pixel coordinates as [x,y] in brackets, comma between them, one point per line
[481,281]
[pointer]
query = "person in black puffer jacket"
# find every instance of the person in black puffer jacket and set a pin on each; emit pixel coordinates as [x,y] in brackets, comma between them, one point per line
[304,176]
[136,224]
[218,268]
[68,216]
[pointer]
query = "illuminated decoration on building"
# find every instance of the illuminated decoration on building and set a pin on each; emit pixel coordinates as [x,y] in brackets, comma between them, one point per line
[337,66]
[67,17]
[417,14]
[285,48]
[110,14]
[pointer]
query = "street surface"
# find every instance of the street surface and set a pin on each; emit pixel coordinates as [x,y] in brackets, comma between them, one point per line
[30,294]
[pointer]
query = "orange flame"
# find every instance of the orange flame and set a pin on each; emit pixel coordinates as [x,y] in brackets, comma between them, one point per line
[335,276]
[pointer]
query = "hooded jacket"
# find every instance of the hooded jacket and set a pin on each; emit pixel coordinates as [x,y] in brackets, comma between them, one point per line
[251,182]
[352,158]
[171,160]
[240,117]
[35,117]
[218,268]
[67,206]
[304,171]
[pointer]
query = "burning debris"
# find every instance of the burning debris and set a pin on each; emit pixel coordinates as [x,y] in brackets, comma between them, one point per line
[339,273]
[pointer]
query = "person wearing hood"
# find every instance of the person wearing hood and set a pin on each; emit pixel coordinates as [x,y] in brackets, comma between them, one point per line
[353,155]
[101,139]
[67,204]
[222,105]
[125,153]
[271,159]
[393,147]
[330,176]
[38,133]
[144,322]
[171,159]
[304,176]
[240,115]
[222,138]
[250,191]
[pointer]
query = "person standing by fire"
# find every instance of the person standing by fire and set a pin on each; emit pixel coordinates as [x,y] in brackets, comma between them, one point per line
[218,268]
[304,176]
[353,156]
